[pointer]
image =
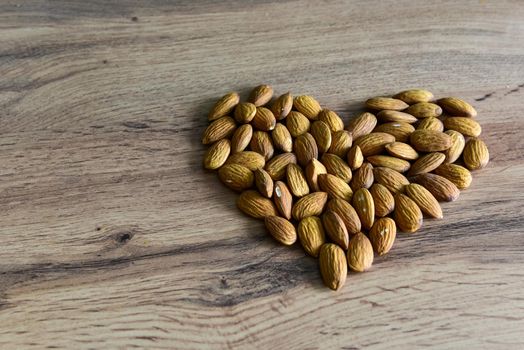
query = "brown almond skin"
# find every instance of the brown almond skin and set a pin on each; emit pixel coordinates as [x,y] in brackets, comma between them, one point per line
[360,253]
[455,173]
[391,179]
[336,229]
[402,150]
[263,182]
[262,144]
[336,166]
[380,103]
[431,124]
[424,110]
[282,106]
[427,203]
[430,141]
[276,166]
[281,229]
[223,106]
[235,176]
[249,159]
[310,205]
[374,143]
[427,163]
[241,138]
[264,119]
[383,199]
[217,154]
[305,148]
[457,146]
[296,180]
[308,106]
[255,205]
[332,119]
[219,129]
[382,235]
[413,96]
[297,123]
[394,163]
[322,135]
[313,169]
[362,125]
[312,235]
[282,138]
[458,107]
[245,112]
[440,187]
[407,214]
[341,142]
[365,207]
[334,186]
[399,130]
[466,126]
[283,199]
[476,154]
[363,177]
[333,266]
[387,116]
[347,213]
[355,157]
[261,95]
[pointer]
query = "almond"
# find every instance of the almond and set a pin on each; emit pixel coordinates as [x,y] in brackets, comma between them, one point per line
[336,229]
[282,106]
[427,163]
[380,103]
[264,119]
[245,112]
[374,143]
[334,186]
[336,166]
[402,150]
[425,200]
[363,177]
[407,214]
[276,167]
[391,179]
[249,159]
[217,154]
[430,141]
[296,180]
[456,106]
[236,176]
[424,110]
[360,253]
[333,266]
[355,157]
[396,116]
[322,135]
[431,124]
[347,213]
[476,154]
[363,204]
[310,205]
[313,169]
[383,199]
[281,229]
[332,119]
[261,95]
[414,96]
[441,188]
[253,204]
[457,146]
[297,123]
[311,234]
[283,199]
[394,163]
[223,106]
[362,125]
[282,138]
[218,129]
[399,130]
[457,174]
[341,142]
[305,148]
[382,235]
[308,106]
[241,138]
[262,144]
[263,182]
[466,126]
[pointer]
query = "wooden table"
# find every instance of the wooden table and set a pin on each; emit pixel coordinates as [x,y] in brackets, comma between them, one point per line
[112,235]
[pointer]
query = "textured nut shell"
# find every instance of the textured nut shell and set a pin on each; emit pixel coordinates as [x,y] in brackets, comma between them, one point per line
[457,174]
[380,103]
[223,106]
[334,186]
[391,179]
[360,253]
[341,142]
[245,112]
[310,205]
[383,200]
[261,95]
[336,229]
[466,126]
[387,116]
[332,119]
[425,200]
[296,180]
[382,235]
[282,106]
[355,157]
[218,129]
[362,125]
[322,135]
[333,266]
[427,163]
[407,214]
[431,124]
[365,207]
[282,138]
[281,229]
[440,187]
[297,123]
[283,199]
[249,159]
[313,169]
[476,154]
[264,119]
[241,138]
[308,106]
[394,163]
[347,213]
[236,176]
[430,141]
[336,166]
[276,167]
[305,148]
[217,154]
[402,150]
[263,182]
[311,234]
[374,143]
[262,144]
[413,96]
[254,204]
[424,110]
[399,130]
[456,106]
[457,146]
[363,177]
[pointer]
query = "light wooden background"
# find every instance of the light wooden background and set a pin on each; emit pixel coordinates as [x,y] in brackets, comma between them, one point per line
[112,236]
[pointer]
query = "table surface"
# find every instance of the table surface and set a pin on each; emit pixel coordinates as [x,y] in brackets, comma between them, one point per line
[112,235]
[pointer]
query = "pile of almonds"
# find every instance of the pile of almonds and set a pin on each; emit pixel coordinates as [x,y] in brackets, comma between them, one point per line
[344,191]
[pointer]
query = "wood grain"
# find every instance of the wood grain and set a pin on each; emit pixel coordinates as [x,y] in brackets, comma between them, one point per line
[112,235]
